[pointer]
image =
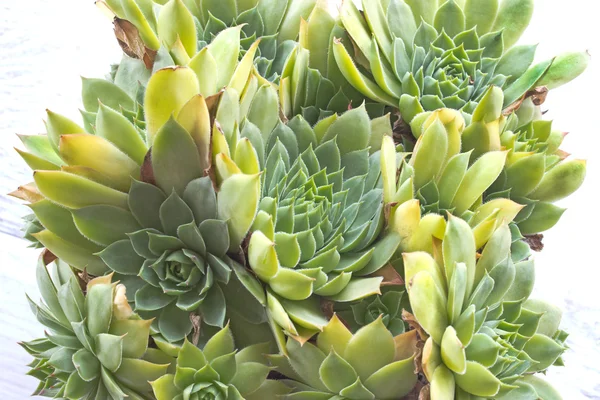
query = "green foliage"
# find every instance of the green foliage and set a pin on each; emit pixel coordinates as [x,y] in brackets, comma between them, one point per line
[418,56]
[484,331]
[370,364]
[95,346]
[219,372]
[266,224]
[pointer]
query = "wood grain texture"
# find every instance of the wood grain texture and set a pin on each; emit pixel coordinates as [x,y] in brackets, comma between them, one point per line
[46,45]
[17,323]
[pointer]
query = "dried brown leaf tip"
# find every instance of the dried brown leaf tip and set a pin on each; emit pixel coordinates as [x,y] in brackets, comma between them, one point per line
[391,277]
[535,242]
[146,172]
[83,278]
[196,326]
[402,132]
[48,257]
[419,392]
[538,97]
[424,394]
[414,324]
[131,42]
[327,307]
[28,193]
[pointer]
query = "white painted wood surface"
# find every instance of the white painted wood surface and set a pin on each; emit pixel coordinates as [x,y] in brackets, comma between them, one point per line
[45,46]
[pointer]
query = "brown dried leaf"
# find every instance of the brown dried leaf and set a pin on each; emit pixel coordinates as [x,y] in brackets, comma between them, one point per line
[418,361]
[416,392]
[212,174]
[421,338]
[391,277]
[28,192]
[212,103]
[387,211]
[131,42]
[414,324]
[513,107]
[196,324]
[538,96]
[535,242]
[282,116]
[327,308]
[406,344]
[48,257]
[147,172]
[402,133]
[424,394]
[84,279]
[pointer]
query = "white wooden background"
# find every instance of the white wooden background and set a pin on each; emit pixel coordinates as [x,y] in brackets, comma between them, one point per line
[46,45]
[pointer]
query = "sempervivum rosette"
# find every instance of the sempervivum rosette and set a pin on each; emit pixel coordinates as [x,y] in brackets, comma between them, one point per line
[95,346]
[178,258]
[219,372]
[154,217]
[422,56]
[369,364]
[78,166]
[538,172]
[387,306]
[439,179]
[535,173]
[484,169]
[485,336]
[311,83]
[320,230]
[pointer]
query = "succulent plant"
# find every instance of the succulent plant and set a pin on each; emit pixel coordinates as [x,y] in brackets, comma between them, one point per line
[311,84]
[538,173]
[320,228]
[219,372]
[95,346]
[171,32]
[483,171]
[370,364]
[439,179]
[176,257]
[167,237]
[421,56]
[388,306]
[238,184]
[484,332]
